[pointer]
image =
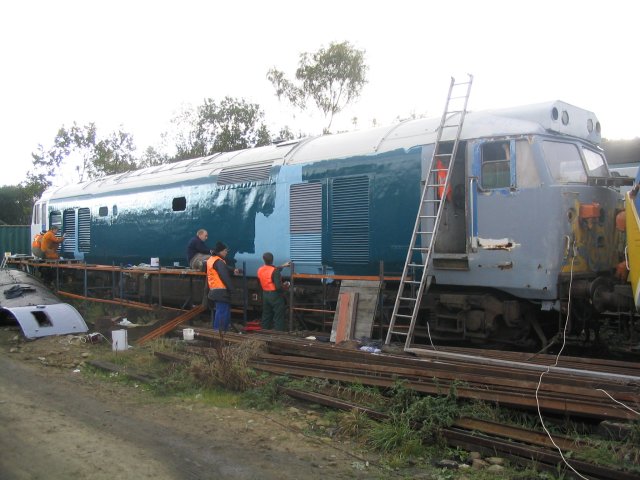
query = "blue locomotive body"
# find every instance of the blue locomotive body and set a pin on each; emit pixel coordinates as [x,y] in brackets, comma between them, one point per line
[529,216]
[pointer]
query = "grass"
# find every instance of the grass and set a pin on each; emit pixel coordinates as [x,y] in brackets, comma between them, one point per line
[224,379]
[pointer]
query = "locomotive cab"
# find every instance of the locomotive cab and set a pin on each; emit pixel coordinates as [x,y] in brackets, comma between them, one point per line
[530,221]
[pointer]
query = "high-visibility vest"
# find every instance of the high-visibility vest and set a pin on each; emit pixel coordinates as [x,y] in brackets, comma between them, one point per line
[37,241]
[213,279]
[265,275]
[442,178]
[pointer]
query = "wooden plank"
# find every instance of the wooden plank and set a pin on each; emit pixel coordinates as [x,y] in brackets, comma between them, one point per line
[367,304]
[344,317]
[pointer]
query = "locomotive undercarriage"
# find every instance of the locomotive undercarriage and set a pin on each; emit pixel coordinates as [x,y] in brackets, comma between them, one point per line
[448,314]
[479,317]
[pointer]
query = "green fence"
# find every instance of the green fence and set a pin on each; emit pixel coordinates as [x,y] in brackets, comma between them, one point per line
[15,239]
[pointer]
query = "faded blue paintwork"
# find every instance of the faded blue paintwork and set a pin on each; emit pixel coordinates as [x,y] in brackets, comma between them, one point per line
[255,216]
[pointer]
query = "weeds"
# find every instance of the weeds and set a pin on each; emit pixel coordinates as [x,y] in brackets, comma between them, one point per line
[396,436]
[175,380]
[228,366]
[354,423]
[264,395]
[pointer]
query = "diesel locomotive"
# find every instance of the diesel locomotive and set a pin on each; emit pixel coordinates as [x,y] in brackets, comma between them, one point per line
[527,230]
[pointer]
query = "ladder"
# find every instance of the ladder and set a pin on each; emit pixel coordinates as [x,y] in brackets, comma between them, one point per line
[415,277]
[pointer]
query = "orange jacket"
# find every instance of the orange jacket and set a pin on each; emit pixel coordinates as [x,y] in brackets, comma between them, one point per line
[50,241]
[213,278]
[442,177]
[265,275]
[37,241]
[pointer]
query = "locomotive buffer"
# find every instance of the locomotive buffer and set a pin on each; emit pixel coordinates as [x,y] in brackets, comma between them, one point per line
[416,277]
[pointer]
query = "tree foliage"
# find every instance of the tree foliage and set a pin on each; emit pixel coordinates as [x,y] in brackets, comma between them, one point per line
[152,158]
[15,205]
[232,124]
[93,156]
[333,78]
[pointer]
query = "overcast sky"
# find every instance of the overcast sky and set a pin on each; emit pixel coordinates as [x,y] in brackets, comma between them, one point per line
[135,63]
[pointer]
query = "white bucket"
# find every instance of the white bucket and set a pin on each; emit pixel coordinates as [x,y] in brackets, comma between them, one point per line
[187,333]
[119,340]
[155,261]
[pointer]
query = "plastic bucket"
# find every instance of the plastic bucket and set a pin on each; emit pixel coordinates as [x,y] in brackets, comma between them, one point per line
[119,340]
[187,333]
[155,261]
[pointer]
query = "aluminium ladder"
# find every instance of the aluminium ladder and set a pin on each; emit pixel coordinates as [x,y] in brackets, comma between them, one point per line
[415,275]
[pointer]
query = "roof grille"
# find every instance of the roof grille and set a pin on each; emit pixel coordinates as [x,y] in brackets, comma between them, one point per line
[243,174]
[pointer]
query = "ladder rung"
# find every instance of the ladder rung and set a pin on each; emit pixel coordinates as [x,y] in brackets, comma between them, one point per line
[455,111]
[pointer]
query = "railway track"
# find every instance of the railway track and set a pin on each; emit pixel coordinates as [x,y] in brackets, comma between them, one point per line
[602,390]
[574,389]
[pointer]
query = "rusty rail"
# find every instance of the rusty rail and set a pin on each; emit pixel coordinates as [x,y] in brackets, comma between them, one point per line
[167,327]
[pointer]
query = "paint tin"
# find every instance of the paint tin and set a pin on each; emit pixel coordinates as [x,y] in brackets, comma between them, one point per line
[187,333]
[119,340]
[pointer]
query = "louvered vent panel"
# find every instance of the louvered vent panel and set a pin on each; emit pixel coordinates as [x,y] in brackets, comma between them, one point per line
[55,219]
[306,248]
[69,229]
[230,176]
[306,222]
[350,220]
[84,230]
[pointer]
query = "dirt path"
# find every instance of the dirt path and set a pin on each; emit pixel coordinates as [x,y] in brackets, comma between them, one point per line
[57,424]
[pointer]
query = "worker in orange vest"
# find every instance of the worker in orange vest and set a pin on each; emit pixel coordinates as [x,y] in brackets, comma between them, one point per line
[442,177]
[272,289]
[36,245]
[50,243]
[219,281]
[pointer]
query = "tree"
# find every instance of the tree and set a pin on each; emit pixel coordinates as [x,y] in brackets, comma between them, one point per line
[151,158]
[15,205]
[232,124]
[93,157]
[332,78]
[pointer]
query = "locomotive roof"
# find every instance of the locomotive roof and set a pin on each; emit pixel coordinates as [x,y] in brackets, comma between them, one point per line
[554,116]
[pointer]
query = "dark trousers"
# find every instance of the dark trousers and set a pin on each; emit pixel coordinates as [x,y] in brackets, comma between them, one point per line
[221,318]
[273,311]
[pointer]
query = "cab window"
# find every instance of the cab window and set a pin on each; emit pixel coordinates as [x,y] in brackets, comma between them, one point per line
[496,165]
[595,163]
[564,162]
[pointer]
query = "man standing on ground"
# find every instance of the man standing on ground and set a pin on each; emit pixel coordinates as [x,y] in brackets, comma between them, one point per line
[219,281]
[197,251]
[272,299]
